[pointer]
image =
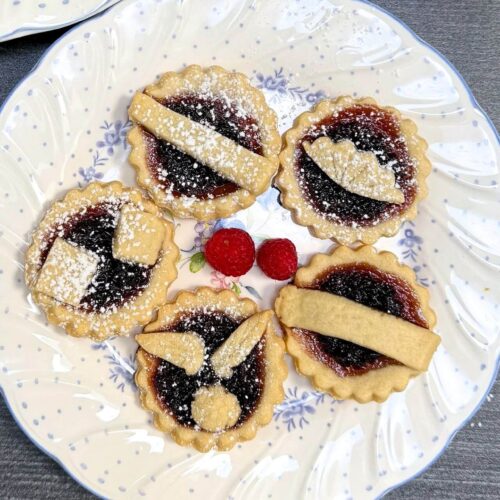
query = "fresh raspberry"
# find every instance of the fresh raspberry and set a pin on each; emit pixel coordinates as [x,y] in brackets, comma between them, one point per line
[230,251]
[277,258]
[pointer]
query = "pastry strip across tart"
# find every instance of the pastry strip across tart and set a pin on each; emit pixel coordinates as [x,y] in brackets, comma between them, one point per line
[357,324]
[101,261]
[211,369]
[352,170]
[205,143]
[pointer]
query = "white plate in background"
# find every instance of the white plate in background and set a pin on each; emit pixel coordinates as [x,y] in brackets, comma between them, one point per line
[26,17]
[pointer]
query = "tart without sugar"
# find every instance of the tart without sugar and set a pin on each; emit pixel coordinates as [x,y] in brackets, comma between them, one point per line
[357,323]
[352,170]
[101,261]
[205,143]
[210,368]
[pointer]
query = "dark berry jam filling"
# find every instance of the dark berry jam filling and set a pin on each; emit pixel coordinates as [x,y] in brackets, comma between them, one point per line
[181,173]
[370,129]
[116,282]
[175,389]
[371,287]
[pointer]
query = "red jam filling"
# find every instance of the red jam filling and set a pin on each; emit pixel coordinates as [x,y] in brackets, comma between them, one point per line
[371,287]
[175,389]
[181,173]
[116,282]
[370,129]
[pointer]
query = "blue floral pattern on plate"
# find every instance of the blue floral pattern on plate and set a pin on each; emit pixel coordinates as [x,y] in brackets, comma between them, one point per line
[90,173]
[115,135]
[279,86]
[298,407]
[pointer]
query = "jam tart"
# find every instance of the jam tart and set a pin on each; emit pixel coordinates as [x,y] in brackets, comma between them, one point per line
[204,142]
[101,261]
[352,170]
[210,369]
[357,323]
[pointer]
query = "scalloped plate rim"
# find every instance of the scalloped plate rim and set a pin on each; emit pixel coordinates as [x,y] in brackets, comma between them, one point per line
[475,105]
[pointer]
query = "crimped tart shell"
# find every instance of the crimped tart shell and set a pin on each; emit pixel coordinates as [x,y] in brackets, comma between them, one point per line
[236,87]
[138,311]
[377,384]
[303,213]
[275,372]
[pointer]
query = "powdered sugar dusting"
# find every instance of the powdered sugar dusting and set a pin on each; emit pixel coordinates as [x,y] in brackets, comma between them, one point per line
[67,272]
[92,228]
[223,155]
[138,236]
[356,171]
[370,129]
[213,177]
[214,323]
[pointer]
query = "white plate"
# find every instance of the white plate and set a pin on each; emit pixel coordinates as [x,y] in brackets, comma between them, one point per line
[25,17]
[65,124]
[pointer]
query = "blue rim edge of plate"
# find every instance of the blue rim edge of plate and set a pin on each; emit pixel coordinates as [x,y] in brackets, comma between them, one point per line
[475,104]
[7,37]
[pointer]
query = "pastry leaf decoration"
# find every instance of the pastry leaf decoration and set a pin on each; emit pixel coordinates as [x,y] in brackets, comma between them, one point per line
[356,171]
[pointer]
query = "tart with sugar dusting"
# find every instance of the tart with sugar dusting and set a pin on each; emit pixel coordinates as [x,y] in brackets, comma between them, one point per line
[204,142]
[357,323]
[210,369]
[352,170]
[101,261]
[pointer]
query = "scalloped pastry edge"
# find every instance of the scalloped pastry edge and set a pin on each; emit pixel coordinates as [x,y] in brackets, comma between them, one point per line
[302,212]
[276,372]
[97,326]
[224,206]
[375,385]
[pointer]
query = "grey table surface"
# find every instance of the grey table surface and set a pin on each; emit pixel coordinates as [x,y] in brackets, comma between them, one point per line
[466,31]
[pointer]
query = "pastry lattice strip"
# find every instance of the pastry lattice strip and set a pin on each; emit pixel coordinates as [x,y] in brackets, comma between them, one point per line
[336,316]
[232,161]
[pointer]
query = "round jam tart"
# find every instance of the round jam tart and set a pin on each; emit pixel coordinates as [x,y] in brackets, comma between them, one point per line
[210,368]
[204,142]
[353,170]
[357,324]
[101,261]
